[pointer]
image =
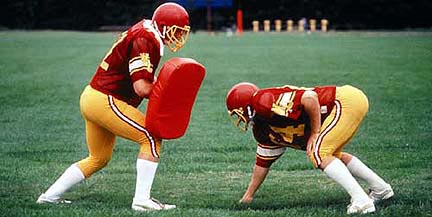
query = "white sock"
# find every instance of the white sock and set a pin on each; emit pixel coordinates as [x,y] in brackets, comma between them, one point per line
[360,170]
[337,171]
[146,171]
[70,177]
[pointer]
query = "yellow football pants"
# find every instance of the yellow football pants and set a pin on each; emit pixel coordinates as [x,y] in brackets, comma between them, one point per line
[105,118]
[342,123]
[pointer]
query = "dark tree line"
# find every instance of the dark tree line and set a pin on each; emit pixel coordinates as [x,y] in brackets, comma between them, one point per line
[346,14]
[342,14]
[74,14]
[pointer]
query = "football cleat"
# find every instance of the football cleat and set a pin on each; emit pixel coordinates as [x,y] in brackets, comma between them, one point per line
[384,194]
[45,200]
[362,207]
[151,205]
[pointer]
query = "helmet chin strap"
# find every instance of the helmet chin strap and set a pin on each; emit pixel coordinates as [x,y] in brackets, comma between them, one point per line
[250,113]
[161,34]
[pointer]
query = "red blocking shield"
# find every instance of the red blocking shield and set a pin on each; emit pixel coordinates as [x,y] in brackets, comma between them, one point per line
[172,98]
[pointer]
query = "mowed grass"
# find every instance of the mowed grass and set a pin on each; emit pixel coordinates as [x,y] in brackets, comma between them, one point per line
[206,172]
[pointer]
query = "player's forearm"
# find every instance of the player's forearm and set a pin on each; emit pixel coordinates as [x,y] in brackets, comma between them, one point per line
[312,107]
[258,176]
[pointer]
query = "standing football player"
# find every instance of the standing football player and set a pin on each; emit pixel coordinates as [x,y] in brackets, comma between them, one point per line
[320,121]
[109,104]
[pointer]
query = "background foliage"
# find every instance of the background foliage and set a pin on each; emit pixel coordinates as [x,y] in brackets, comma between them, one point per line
[90,15]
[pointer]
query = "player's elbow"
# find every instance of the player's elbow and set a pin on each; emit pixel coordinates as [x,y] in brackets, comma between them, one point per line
[309,96]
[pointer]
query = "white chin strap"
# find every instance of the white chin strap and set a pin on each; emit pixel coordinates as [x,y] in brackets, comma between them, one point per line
[250,113]
[161,34]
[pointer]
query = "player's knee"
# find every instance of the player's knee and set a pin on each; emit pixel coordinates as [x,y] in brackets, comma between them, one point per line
[363,102]
[150,150]
[345,158]
[91,164]
[101,162]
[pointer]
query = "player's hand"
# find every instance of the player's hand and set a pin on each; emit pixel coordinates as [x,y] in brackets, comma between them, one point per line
[143,87]
[311,143]
[246,199]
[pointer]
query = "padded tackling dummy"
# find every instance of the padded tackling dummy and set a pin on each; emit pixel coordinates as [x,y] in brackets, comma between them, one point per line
[172,97]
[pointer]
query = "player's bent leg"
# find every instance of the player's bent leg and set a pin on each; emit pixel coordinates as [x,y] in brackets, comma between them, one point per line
[70,177]
[114,116]
[73,175]
[146,171]
[337,171]
[379,189]
[100,144]
[146,166]
[336,131]
[92,164]
[128,122]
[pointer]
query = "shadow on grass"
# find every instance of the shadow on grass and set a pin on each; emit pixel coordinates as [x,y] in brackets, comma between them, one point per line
[301,204]
[91,200]
[275,204]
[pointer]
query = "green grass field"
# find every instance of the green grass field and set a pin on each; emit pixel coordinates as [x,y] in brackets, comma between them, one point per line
[206,172]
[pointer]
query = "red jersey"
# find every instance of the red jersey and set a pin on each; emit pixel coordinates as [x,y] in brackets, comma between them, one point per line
[281,122]
[135,55]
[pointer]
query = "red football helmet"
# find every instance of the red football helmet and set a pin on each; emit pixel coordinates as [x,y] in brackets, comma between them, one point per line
[238,101]
[172,22]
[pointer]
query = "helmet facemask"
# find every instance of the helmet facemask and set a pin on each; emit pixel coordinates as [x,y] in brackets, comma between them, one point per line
[176,36]
[240,119]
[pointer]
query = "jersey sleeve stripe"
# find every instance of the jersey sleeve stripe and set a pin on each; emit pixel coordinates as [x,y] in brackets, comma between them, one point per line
[135,64]
[136,70]
[135,58]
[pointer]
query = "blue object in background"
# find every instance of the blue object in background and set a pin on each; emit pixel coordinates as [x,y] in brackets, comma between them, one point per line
[205,3]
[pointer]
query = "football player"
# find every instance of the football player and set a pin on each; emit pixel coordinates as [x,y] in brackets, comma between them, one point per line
[109,103]
[320,121]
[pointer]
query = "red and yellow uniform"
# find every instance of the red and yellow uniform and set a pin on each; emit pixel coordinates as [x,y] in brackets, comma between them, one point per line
[135,55]
[109,103]
[281,122]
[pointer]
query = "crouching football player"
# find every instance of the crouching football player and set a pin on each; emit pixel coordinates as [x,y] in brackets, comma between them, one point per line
[109,104]
[320,121]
